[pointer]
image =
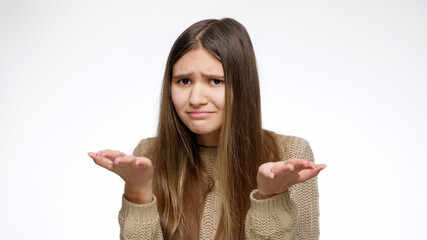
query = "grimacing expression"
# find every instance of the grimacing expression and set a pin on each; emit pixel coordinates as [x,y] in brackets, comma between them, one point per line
[198,91]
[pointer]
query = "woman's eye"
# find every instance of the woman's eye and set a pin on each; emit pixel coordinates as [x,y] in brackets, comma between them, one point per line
[184,81]
[216,81]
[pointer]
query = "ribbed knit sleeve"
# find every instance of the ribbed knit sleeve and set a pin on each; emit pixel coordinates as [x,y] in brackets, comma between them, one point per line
[306,194]
[140,221]
[272,218]
[293,214]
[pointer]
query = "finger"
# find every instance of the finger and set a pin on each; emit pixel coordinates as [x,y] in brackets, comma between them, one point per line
[310,173]
[143,162]
[266,170]
[301,163]
[320,166]
[101,161]
[126,159]
[282,167]
[110,154]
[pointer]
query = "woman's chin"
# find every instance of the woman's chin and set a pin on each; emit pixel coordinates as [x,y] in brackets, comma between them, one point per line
[207,133]
[202,131]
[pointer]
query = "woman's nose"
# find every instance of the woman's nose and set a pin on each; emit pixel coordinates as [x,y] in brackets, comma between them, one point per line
[198,95]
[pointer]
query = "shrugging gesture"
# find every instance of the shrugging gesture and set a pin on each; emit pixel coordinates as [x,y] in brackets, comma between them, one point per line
[276,177]
[208,144]
[137,172]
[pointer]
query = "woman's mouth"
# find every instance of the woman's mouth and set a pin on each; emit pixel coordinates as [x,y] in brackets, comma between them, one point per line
[199,114]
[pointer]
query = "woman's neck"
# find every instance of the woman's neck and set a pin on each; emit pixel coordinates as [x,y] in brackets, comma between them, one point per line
[208,140]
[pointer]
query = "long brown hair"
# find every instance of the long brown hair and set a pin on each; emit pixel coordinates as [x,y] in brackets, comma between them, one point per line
[180,182]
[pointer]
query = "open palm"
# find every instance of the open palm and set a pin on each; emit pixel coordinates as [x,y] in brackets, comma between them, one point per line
[276,177]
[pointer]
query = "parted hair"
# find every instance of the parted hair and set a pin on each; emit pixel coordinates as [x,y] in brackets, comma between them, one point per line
[181,183]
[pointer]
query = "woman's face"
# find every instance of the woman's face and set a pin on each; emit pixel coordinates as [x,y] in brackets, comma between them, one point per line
[198,94]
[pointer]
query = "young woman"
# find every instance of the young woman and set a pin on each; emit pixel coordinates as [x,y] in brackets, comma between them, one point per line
[212,172]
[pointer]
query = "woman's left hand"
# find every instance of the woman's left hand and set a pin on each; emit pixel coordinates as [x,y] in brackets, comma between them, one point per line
[276,177]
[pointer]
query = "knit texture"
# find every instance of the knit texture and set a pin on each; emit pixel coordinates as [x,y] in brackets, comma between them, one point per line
[293,214]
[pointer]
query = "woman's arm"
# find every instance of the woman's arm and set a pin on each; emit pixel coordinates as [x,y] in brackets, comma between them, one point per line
[138,217]
[272,218]
[283,187]
[306,196]
[139,221]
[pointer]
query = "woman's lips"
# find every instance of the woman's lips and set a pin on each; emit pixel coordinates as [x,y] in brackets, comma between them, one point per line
[199,114]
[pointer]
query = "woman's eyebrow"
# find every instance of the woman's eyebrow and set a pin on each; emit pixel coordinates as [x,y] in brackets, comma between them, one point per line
[181,76]
[186,75]
[214,76]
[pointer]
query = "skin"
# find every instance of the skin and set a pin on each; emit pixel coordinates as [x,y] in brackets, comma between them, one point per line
[277,177]
[137,172]
[198,95]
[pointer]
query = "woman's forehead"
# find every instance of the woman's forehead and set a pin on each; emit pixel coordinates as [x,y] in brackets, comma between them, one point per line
[198,60]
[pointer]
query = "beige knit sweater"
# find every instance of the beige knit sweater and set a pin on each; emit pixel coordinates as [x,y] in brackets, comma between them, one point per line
[293,214]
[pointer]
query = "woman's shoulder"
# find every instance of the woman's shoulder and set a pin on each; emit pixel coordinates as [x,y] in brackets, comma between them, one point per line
[292,146]
[145,148]
[289,140]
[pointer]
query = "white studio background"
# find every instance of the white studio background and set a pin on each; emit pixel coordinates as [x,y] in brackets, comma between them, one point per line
[80,76]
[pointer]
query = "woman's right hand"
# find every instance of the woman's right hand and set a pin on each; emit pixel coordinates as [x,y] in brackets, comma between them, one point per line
[137,172]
